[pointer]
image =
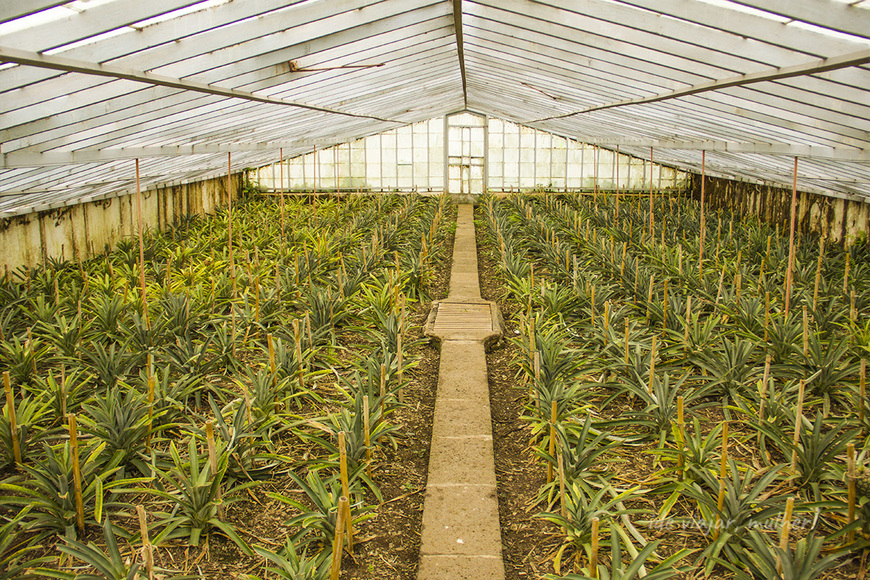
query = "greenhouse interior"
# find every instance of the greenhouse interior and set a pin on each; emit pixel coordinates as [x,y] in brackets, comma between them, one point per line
[435,289]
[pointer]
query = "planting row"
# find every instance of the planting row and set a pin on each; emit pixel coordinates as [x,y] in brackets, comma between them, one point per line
[254,355]
[691,356]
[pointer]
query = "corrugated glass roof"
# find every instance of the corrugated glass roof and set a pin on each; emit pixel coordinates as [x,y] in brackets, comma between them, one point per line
[92,84]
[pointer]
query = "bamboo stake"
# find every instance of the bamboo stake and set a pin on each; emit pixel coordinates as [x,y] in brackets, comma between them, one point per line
[784,531]
[791,240]
[77,472]
[342,461]
[147,549]
[367,434]
[552,446]
[13,426]
[399,362]
[797,426]
[851,477]
[593,558]
[338,540]
[846,274]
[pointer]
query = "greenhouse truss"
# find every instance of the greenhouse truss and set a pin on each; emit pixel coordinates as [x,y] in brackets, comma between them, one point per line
[750,85]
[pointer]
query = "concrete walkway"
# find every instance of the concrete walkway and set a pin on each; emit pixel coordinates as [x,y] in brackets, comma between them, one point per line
[461,537]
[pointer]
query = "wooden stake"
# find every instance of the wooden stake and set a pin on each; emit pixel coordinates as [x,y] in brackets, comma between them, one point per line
[147,549]
[784,531]
[399,363]
[846,274]
[338,540]
[77,472]
[791,240]
[13,426]
[342,461]
[799,413]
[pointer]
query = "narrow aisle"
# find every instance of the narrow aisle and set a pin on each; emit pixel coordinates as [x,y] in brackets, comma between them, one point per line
[461,538]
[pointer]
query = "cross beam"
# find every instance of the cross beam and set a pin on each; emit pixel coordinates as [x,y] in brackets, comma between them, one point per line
[71,65]
[814,67]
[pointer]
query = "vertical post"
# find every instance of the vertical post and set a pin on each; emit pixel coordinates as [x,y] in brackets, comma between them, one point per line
[652,220]
[595,172]
[141,247]
[616,162]
[281,166]
[703,218]
[791,239]
[230,219]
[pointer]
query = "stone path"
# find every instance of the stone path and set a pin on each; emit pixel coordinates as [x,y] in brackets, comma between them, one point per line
[461,537]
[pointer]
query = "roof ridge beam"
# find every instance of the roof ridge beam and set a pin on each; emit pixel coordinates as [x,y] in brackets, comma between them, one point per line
[817,66]
[460,48]
[28,58]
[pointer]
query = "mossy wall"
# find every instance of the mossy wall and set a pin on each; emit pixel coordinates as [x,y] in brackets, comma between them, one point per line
[82,231]
[838,220]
